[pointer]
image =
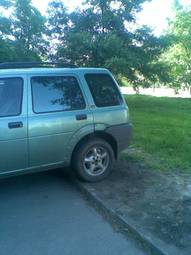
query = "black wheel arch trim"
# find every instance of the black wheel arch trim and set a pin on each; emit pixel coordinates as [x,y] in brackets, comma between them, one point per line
[122,134]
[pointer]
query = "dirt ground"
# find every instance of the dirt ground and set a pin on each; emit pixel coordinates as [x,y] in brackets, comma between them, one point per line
[157,203]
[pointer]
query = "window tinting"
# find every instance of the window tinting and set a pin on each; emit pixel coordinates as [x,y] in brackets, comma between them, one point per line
[103,89]
[10,96]
[55,93]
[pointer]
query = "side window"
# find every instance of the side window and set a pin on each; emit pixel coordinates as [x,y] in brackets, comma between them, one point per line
[103,90]
[56,93]
[11,96]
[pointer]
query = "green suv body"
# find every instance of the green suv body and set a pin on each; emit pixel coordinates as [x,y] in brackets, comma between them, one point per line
[54,117]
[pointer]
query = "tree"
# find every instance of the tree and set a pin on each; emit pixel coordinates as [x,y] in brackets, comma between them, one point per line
[99,35]
[28,27]
[21,34]
[6,49]
[178,55]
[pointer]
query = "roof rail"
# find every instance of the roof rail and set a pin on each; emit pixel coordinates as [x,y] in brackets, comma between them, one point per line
[10,65]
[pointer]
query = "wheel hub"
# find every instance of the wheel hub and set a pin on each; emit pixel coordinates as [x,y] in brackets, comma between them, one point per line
[96,160]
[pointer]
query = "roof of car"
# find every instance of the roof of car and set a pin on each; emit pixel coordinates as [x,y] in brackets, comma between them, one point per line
[41,71]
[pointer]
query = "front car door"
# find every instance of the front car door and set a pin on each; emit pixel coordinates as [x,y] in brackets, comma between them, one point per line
[13,124]
[57,110]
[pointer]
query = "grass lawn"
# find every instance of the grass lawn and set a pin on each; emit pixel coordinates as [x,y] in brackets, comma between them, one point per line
[162,131]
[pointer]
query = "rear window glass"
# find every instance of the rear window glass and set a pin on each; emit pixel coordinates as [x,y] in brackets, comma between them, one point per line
[56,93]
[104,90]
[10,96]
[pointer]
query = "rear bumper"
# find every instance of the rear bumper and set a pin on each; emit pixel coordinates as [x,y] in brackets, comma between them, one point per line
[122,134]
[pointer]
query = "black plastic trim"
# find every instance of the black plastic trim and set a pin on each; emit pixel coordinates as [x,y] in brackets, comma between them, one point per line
[122,134]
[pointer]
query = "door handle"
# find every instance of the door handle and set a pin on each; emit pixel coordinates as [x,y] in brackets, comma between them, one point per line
[18,124]
[81,117]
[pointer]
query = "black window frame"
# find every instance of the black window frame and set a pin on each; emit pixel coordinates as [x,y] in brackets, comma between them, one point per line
[93,96]
[21,101]
[72,76]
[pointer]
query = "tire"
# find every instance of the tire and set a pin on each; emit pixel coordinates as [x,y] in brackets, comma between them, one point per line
[93,160]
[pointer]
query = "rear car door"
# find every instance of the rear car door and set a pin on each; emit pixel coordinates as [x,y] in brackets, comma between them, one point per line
[13,124]
[109,106]
[57,111]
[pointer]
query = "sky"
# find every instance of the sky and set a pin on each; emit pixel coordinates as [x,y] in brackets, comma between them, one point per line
[154,14]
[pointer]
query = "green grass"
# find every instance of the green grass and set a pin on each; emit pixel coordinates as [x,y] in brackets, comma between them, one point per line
[162,129]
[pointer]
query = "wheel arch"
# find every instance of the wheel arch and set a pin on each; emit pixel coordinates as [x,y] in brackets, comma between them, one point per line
[97,134]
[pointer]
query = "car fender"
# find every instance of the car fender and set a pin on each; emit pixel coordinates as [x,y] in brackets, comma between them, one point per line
[75,139]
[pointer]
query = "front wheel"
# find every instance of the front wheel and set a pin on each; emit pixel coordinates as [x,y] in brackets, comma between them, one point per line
[93,160]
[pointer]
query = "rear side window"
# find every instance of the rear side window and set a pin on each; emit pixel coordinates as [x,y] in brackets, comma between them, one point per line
[104,90]
[56,93]
[10,96]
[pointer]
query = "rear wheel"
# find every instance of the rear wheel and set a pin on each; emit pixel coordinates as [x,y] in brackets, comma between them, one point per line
[93,160]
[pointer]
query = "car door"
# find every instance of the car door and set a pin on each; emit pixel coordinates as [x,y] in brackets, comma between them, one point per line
[110,108]
[13,124]
[57,110]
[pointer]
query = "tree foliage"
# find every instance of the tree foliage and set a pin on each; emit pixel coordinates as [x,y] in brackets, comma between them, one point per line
[99,35]
[178,55]
[22,32]
[102,33]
